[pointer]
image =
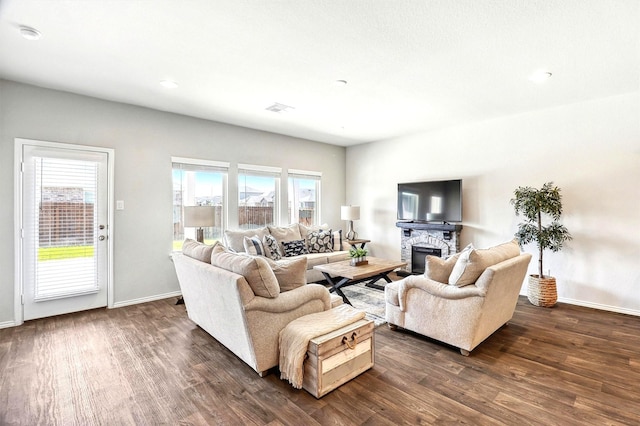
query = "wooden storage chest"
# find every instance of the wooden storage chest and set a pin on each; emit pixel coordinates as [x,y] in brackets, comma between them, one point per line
[337,357]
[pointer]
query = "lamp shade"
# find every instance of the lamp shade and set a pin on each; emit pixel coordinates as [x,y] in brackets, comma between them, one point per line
[199,216]
[350,212]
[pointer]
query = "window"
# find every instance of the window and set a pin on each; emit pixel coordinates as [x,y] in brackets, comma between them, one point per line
[304,197]
[258,196]
[198,183]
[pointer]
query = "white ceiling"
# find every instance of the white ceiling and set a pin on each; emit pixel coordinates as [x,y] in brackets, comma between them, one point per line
[411,65]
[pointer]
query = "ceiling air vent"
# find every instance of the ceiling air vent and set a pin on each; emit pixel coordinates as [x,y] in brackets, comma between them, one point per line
[279,108]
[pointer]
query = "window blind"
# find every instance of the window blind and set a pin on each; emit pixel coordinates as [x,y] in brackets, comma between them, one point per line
[64,220]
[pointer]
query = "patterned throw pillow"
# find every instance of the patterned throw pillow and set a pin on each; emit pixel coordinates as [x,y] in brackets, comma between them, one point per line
[294,248]
[320,241]
[253,246]
[271,247]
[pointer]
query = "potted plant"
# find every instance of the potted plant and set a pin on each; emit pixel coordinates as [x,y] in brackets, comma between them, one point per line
[358,256]
[534,204]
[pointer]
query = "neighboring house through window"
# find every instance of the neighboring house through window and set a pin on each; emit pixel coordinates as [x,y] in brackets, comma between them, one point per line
[258,196]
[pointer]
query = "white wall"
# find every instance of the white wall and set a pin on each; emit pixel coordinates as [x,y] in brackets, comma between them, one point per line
[590,150]
[144,141]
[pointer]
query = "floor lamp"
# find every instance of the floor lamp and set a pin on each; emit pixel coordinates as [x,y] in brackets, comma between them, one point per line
[350,213]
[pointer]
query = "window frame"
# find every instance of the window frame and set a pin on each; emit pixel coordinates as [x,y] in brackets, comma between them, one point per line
[260,171]
[201,165]
[293,174]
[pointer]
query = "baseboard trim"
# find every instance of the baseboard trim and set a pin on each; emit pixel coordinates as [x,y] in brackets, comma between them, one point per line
[8,324]
[600,306]
[146,299]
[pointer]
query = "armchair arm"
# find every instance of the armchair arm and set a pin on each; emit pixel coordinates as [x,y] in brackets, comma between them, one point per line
[290,300]
[435,288]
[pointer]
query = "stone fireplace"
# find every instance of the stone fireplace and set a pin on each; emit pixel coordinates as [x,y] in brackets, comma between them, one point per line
[419,239]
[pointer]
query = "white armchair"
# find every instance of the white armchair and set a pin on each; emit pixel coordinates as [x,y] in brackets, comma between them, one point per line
[453,312]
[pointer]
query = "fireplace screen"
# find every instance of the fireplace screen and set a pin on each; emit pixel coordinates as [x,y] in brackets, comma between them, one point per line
[418,254]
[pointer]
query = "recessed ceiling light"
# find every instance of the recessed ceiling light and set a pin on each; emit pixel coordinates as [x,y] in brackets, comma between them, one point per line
[29,33]
[540,76]
[340,82]
[168,84]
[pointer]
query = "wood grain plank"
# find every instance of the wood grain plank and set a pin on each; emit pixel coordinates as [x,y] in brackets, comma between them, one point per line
[149,364]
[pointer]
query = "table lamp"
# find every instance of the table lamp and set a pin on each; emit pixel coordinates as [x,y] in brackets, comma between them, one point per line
[199,217]
[350,213]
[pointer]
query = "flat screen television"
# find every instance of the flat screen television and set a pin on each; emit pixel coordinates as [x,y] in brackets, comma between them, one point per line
[434,201]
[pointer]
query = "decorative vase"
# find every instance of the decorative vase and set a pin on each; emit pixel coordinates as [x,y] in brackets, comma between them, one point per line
[542,291]
[357,261]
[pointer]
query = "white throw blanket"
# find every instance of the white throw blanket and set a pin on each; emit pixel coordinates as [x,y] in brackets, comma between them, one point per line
[295,337]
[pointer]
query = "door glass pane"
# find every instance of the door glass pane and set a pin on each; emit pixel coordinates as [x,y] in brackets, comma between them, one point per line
[64,225]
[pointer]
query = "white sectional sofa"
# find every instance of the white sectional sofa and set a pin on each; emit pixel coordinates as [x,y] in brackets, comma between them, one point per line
[313,238]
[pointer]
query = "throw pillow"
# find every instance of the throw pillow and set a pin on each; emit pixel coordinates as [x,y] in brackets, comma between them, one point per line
[480,259]
[234,240]
[290,273]
[294,248]
[320,241]
[456,277]
[255,270]
[197,250]
[219,248]
[271,247]
[306,230]
[439,269]
[253,246]
[337,240]
[285,233]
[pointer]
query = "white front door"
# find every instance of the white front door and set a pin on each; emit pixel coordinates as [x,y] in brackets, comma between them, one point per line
[65,228]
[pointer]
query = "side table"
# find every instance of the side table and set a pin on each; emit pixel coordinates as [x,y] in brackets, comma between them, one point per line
[359,241]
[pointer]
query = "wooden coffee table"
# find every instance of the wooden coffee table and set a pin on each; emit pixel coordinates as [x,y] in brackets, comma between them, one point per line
[342,274]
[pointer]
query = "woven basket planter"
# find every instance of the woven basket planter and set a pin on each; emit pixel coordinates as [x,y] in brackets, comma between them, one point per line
[542,291]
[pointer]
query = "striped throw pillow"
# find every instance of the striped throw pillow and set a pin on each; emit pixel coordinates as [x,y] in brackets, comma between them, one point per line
[253,246]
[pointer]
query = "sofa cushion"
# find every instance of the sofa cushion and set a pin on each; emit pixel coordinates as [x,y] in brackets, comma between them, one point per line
[314,259]
[235,239]
[472,262]
[294,248]
[253,246]
[290,273]
[271,247]
[285,233]
[254,269]
[320,241]
[337,256]
[197,250]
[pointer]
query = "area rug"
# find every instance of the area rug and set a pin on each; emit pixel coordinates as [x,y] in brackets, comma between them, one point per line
[370,300]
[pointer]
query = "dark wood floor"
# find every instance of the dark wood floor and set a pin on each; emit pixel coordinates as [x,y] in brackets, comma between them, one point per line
[148,364]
